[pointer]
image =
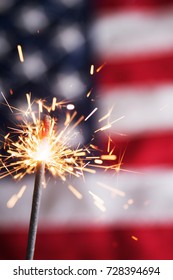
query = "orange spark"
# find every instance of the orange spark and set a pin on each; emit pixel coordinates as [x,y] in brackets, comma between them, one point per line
[108,157]
[100,67]
[89,93]
[106,116]
[134,238]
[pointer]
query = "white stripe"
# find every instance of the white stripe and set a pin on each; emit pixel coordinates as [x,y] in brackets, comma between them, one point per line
[147,108]
[132,32]
[151,191]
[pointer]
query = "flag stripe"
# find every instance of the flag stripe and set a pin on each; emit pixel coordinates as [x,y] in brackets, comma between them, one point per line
[143,109]
[101,5]
[135,196]
[127,33]
[85,243]
[137,70]
[144,150]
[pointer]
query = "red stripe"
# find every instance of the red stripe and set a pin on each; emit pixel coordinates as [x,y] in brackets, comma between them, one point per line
[154,149]
[137,70]
[154,242]
[102,5]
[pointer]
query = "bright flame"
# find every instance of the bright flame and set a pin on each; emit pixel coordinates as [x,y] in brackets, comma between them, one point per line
[39,139]
[43,152]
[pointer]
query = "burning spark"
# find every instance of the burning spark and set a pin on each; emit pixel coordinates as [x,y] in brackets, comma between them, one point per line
[109,144]
[94,147]
[96,197]
[98,161]
[12,201]
[107,126]
[91,114]
[40,105]
[92,69]
[70,107]
[6,102]
[53,104]
[100,206]
[134,238]
[106,116]
[6,136]
[113,190]
[108,157]
[89,93]
[28,98]
[98,201]
[75,192]
[20,52]
[100,68]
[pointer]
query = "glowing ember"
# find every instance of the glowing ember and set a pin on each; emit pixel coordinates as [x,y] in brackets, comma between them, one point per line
[20,52]
[108,157]
[92,69]
[89,93]
[100,68]
[12,201]
[134,238]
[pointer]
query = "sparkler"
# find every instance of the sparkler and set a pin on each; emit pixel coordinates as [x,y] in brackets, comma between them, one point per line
[40,145]
[39,177]
[39,181]
[38,140]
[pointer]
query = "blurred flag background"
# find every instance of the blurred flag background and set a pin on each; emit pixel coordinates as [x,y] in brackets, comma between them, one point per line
[130,44]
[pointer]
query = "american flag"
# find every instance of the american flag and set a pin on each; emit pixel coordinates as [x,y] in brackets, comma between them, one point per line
[131,43]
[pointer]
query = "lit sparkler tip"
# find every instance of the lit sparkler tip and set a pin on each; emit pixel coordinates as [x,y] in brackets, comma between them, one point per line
[39,141]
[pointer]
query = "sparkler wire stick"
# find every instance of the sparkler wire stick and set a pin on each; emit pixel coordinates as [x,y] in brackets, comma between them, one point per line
[39,179]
